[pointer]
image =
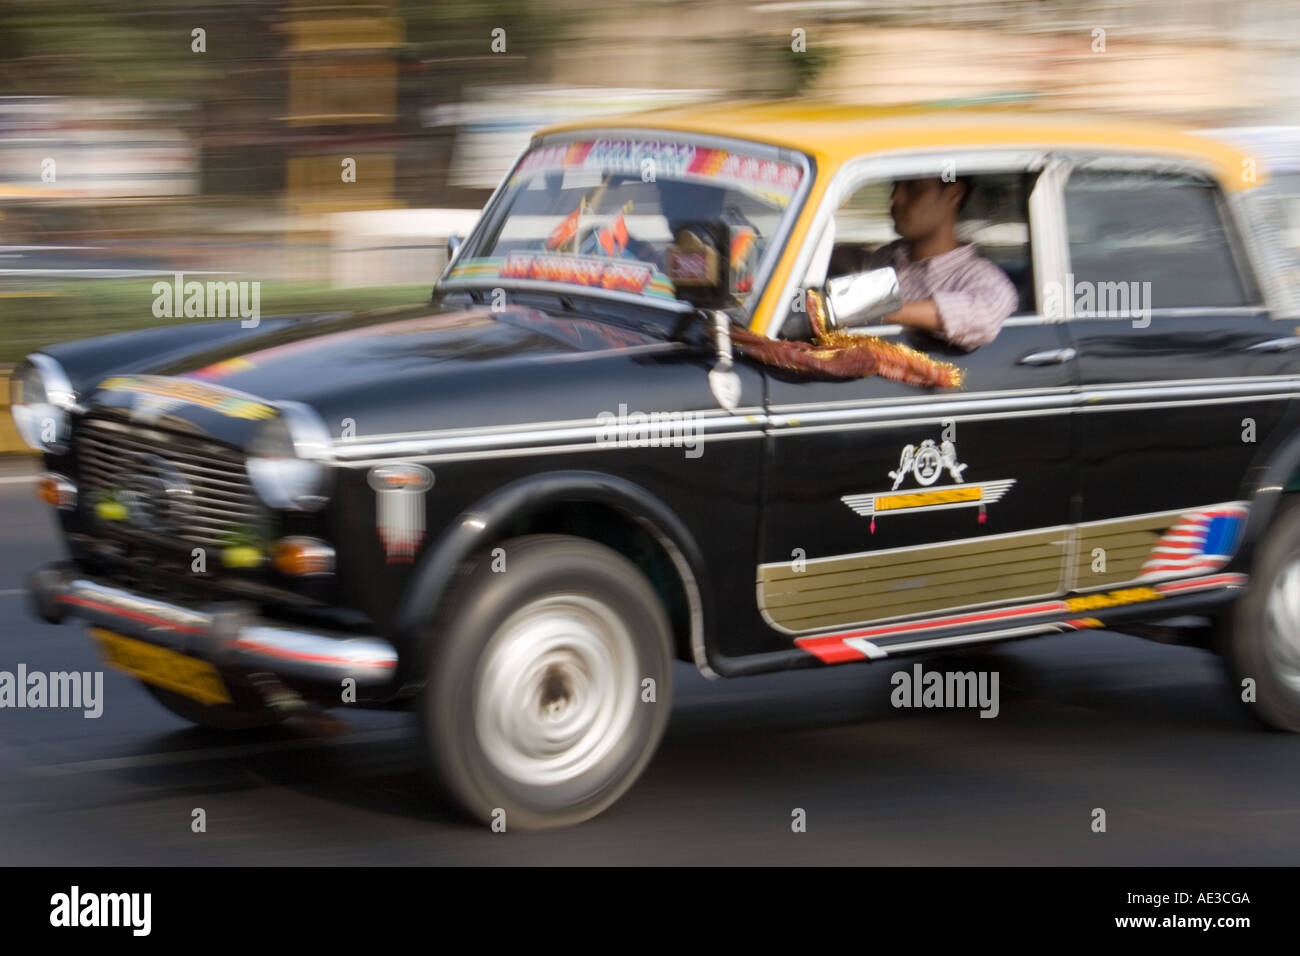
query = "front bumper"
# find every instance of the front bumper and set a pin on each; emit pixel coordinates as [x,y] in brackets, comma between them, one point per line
[230,637]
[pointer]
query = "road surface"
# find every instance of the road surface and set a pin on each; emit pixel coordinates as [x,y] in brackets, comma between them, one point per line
[1151,734]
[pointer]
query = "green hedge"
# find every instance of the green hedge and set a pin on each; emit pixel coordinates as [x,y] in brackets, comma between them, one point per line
[85,308]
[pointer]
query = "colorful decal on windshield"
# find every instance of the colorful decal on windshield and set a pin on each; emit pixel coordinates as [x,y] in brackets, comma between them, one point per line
[744,259]
[567,230]
[771,179]
[616,275]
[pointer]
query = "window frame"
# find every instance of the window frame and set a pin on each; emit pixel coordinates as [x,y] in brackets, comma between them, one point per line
[862,170]
[494,212]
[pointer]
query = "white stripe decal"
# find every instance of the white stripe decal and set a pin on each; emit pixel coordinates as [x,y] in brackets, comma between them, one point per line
[869,650]
[574,435]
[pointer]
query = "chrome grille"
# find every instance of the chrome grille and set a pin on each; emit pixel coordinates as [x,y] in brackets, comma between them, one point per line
[115,454]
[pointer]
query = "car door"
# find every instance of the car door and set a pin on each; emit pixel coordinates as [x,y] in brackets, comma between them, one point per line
[885,502]
[1185,374]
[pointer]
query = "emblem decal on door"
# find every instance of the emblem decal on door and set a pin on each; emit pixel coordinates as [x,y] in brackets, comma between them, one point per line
[926,464]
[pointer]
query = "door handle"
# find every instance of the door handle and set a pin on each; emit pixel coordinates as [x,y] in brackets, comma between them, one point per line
[1275,345]
[1050,357]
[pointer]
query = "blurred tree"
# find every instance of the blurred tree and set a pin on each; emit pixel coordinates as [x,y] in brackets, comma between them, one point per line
[449,47]
[98,48]
[775,68]
[450,35]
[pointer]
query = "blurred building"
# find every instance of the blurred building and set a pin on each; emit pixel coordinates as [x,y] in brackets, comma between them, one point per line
[1200,60]
[252,135]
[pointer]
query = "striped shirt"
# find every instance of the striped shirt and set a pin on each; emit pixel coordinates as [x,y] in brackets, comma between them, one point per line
[971,294]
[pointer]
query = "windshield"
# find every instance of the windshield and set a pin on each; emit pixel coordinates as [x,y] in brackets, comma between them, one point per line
[603,212]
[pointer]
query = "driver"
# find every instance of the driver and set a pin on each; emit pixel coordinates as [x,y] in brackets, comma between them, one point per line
[948,289]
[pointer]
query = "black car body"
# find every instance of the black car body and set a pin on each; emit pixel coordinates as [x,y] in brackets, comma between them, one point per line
[348,510]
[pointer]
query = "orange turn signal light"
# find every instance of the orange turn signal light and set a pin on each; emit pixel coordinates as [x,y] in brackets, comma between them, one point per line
[301,557]
[57,491]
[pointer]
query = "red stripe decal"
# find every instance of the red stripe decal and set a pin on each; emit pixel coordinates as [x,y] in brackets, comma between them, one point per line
[300,656]
[833,652]
[1188,566]
[246,645]
[946,622]
[1198,583]
[830,649]
[131,615]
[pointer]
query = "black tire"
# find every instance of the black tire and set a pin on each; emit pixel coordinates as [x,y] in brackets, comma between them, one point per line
[559,641]
[1252,642]
[214,716]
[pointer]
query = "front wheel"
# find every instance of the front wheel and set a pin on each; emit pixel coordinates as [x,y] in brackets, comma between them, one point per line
[1261,639]
[550,683]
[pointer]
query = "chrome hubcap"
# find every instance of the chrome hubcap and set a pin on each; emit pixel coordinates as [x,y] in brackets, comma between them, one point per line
[555,690]
[1282,624]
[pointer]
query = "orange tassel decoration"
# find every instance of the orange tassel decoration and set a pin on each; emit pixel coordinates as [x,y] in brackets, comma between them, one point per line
[841,355]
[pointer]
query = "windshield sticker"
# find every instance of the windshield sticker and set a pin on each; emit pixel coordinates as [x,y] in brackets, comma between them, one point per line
[576,270]
[771,179]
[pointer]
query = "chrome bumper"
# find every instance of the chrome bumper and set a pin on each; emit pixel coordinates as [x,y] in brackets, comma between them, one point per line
[228,637]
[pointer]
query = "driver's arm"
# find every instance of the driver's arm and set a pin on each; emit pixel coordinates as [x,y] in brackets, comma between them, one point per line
[967,316]
[917,314]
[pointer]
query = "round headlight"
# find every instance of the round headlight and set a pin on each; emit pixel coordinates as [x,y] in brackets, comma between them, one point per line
[288,459]
[40,398]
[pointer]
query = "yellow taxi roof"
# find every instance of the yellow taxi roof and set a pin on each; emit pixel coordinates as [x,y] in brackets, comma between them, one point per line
[833,133]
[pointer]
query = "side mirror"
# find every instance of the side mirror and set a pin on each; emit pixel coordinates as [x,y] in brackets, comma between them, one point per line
[454,243]
[861,298]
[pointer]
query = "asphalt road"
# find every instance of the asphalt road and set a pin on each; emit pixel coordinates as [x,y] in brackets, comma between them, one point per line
[1149,733]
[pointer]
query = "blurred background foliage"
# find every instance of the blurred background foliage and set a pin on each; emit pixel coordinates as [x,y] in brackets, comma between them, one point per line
[91,47]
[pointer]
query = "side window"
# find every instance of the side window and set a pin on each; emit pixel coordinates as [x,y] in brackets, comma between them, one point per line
[1285,189]
[994,218]
[1162,228]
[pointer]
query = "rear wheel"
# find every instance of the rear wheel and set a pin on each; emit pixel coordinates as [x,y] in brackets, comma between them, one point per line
[538,710]
[1262,640]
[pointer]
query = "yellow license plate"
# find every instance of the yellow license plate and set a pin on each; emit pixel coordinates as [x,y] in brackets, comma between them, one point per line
[185,675]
